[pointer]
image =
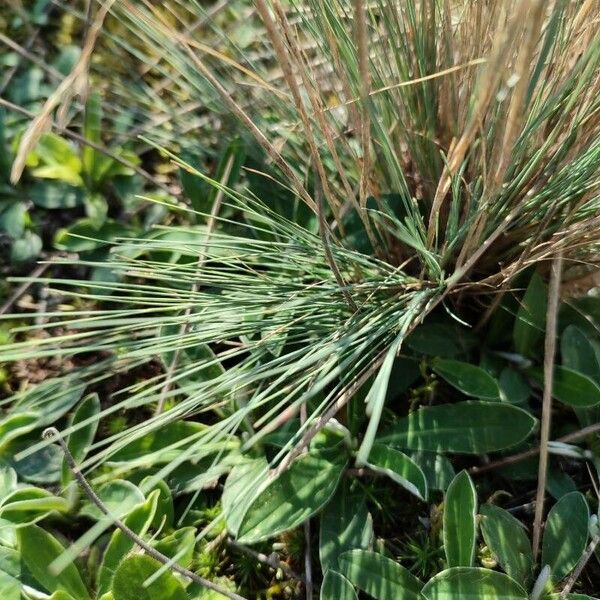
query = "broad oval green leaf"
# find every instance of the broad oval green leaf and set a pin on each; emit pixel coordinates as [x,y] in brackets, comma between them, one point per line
[531,317]
[119,496]
[286,502]
[514,387]
[38,549]
[437,468]
[379,576]
[138,520]
[161,445]
[336,587]
[470,427]
[179,545]
[128,582]
[469,379]
[399,468]
[14,426]
[472,583]
[570,387]
[345,524]
[11,574]
[506,537]
[27,505]
[579,353]
[460,524]
[447,340]
[240,490]
[10,588]
[565,534]
[79,441]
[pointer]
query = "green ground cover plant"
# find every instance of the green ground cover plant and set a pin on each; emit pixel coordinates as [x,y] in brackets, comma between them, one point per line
[360,356]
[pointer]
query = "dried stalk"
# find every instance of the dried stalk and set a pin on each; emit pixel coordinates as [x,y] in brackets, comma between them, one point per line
[362,44]
[549,355]
[65,90]
[82,140]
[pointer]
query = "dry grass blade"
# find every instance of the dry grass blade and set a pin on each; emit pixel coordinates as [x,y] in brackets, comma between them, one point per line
[549,356]
[63,92]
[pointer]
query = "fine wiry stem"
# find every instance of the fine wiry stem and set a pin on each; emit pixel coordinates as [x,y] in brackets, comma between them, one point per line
[549,354]
[53,434]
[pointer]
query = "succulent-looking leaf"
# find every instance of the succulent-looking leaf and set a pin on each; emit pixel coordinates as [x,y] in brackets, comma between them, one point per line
[336,587]
[471,583]
[565,534]
[14,426]
[11,576]
[80,440]
[438,470]
[531,317]
[119,545]
[571,387]
[27,505]
[514,387]
[379,576]
[467,378]
[128,582]
[470,427]
[345,525]
[506,537]
[579,353]
[240,489]
[286,502]
[399,468]
[179,545]
[38,549]
[119,496]
[460,524]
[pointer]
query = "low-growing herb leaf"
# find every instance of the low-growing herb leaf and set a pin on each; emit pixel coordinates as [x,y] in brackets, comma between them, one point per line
[379,576]
[28,505]
[336,587]
[470,427]
[345,525]
[506,537]
[460,525]
[531,317]
[128,582]
[399,468]
[240,490]
[38,549]
[470,379]
[119,545]
[119,496]
[471,583]
[571,387]
[565,534]
[438,470]
[286,502]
